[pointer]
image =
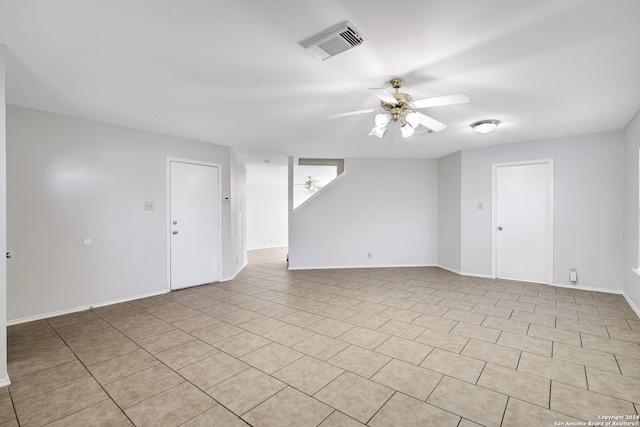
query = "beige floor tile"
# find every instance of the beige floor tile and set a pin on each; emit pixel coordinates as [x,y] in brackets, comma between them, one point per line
[364,337]
[186,354]
[624,348]
[359,361]
[408,379]
[37,360]
[490,310]
[455,365]
[84,342]
[477,332]
[195,323]
[465,316]
[271,357]
[624,334]
[401,329]
[536,319]
[165,341]
[320,346]
[433,322]
[443,340]
[135,388]
[629,366]
[122,366]
[467,423]
[288,335]
[554,369]
[7,414]
[89,327]
[519,384]
[526,343]
[301,318]
[330,327]
[521,413]
[399,314]
[217,416]
[238,316]
[106,350]
[514,305]
[58,403]
[555,312]
[338,419]
[616,322]
[618,386]
[509,325]
[338,313]
[219,309]
[261,325]
[469,401]
[217,332]
[212,370]
[288,408]
[402,349]
[355,396]
[245,390]
[105,413]
[44,381]
[144,330]
[585,405]
[493,353]
[241,344]
[587,357]
[584,327]
[171,407]
[556,335]
[308,374]
[403,410]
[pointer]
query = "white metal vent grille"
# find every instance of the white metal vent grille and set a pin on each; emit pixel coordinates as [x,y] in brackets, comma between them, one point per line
[334,40]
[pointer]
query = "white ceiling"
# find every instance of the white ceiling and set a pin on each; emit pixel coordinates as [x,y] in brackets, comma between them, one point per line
[231,72]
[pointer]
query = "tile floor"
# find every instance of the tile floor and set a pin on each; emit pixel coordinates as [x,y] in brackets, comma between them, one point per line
[381,347]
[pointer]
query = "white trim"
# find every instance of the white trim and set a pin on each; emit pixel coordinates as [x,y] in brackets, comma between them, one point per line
[81,308]
[637,271]
[631,303]
[494,215]
[218,167]
[338,267]
[5,381]
[234,275]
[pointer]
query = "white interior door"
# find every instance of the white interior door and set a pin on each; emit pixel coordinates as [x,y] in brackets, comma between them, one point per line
[194,224]
[524,222]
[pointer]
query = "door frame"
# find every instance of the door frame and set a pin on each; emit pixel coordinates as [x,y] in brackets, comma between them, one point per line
[168,222]
[494,215]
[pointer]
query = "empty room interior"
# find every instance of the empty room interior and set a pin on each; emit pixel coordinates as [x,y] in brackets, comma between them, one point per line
[337,213]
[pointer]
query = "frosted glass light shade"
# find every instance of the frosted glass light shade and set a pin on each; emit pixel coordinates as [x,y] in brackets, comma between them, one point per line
[382,120]
[413,119]
[407,130]
[379,131]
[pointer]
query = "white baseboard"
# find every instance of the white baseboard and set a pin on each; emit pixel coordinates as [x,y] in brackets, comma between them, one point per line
[80,308]
[5,381]
[463,273]
[338,267]
[233,276]
[631,304]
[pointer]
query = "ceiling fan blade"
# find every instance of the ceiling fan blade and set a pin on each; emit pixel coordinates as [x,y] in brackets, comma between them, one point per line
[353,113]
[430,123]
[460,98]
[384,95]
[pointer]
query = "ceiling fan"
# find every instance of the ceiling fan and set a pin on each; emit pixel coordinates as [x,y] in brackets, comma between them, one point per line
[400,107]
[310,185]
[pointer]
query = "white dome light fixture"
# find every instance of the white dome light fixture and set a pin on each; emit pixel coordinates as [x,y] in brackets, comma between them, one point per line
[485,126]
[382,120]
[406,130]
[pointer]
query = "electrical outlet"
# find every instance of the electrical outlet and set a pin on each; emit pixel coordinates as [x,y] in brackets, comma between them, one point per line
[368,254]
[573,274]
[149,206]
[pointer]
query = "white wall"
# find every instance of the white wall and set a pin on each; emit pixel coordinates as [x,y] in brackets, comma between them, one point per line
[588,200]
[267,206]
[631,212]
[71,179]
[387,207]
[4,376]
[238,223]
[449,204]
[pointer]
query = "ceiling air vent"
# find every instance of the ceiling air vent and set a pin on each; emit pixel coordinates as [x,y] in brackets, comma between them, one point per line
[333,40]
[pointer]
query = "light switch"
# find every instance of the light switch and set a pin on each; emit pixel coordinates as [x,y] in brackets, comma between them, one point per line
[480,206]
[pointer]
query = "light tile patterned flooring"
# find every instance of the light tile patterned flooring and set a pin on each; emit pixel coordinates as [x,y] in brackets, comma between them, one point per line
[381,347]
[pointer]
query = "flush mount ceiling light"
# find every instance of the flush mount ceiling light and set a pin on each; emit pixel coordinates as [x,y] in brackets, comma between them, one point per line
[485,126]
[401,108]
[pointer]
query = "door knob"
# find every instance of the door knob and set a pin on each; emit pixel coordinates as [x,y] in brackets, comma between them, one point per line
[500,228]
[174,222]
[175,232]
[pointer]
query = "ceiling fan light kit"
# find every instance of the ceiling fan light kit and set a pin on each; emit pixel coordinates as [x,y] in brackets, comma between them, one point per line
[400,107]
[485,126]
